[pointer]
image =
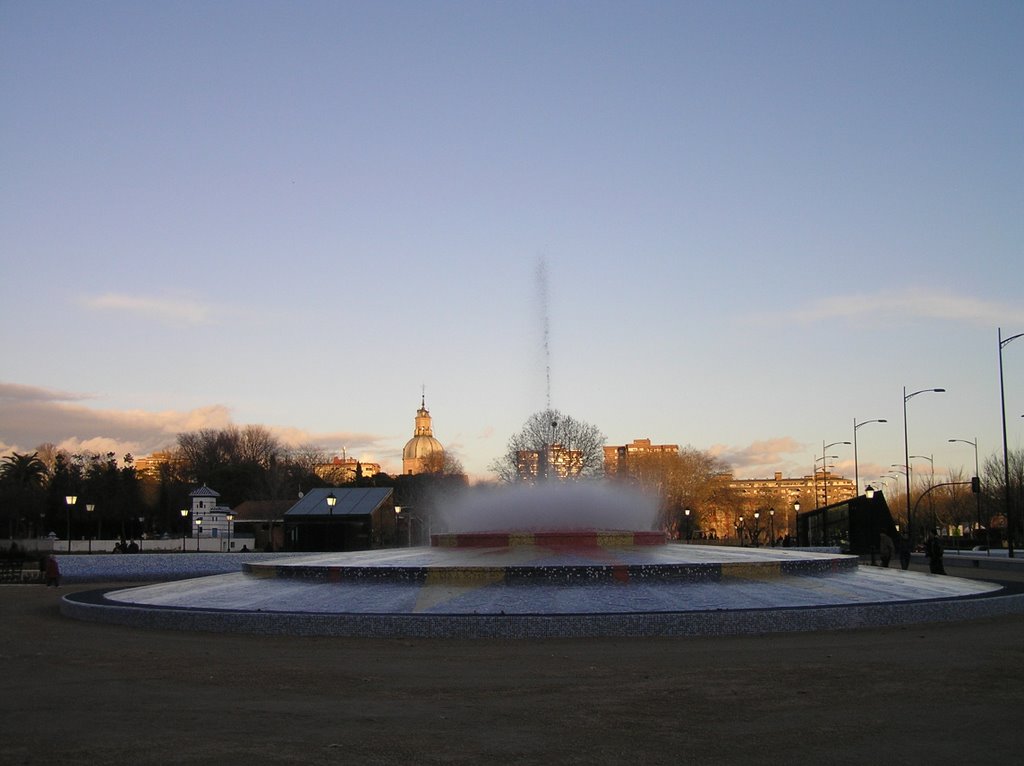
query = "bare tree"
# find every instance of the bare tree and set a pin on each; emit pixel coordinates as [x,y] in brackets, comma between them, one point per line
[575,448]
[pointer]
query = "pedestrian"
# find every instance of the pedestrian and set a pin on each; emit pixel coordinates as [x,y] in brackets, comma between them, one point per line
[904,550]
[886,548]
[51,571]
[933,550]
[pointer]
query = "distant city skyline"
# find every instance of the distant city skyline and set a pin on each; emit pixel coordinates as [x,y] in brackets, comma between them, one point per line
[756,223]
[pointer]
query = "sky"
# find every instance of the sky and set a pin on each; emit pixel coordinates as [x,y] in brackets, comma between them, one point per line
[734,226]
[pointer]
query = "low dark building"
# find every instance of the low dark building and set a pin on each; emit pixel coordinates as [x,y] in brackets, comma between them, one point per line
[853,525]
[264,521]
[341,519]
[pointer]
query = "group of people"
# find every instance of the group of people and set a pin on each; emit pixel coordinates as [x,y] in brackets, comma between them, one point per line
[126,547]
[887,549]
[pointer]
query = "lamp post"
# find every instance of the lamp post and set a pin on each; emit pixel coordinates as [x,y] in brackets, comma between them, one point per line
[771,523]
[686,514]
[70,500]
[757,528]
[184,526]
[230,517]
[89,508]
[931,483]
[824,469]
[856,464]
[824,466]
[739,530]
[977,475]
[1006,453]
[199,532]
[906,454]
[331,502]
[869,492]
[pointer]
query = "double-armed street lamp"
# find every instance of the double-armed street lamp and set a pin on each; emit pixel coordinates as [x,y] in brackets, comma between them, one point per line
[906,454]
[856,464]
[1006,452]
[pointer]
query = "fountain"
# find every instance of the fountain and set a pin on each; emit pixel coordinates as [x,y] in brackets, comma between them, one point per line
[546,561]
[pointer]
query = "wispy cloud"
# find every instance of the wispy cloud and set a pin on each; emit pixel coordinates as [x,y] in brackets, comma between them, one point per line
[760,456]
[171,310]
[924,303]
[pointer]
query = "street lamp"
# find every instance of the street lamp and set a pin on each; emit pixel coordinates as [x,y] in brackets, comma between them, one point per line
[757,527]
[184,526]
[869,492]
[977,475]
[796,516]
[1006,455]
[70,500]
[906,454]
[89,508]
[739,530]
[824,466]
[931,483]
[230,517]
[331,502]
[199,532]
[771,522]
[824,469]
[686,513]
[856,464]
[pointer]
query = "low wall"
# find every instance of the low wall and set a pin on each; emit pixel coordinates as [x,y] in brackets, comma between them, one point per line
[155,567]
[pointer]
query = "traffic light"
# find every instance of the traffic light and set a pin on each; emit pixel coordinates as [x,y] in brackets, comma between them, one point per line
[975,485]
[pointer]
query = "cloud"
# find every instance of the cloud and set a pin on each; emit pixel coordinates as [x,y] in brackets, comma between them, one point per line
[760,457]
[170,310]
[30,416]
[923,303]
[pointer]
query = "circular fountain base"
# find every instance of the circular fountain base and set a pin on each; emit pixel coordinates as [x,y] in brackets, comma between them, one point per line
[582,584]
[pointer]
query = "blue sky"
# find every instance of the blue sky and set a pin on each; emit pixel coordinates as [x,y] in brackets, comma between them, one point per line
[758,221]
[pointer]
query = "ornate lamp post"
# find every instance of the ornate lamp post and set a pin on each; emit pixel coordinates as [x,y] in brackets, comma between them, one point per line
[757,528]
[686,514]
[89,508]
[230,517]
[70,500]
[771,523]
[796,516]
[906,454]
[331,502]
[184,526]
[199,532]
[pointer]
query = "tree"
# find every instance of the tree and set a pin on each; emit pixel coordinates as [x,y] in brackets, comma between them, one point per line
[551,446]
[22,481]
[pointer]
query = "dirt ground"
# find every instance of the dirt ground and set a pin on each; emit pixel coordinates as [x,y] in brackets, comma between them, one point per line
[84,693]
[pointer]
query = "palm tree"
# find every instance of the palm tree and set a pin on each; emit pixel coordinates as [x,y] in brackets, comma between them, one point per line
[21,477]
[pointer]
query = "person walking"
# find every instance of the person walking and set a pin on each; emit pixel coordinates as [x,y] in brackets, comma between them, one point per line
[886,549]
[933,550]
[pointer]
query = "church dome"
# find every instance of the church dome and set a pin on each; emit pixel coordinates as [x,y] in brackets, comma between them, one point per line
[419,453]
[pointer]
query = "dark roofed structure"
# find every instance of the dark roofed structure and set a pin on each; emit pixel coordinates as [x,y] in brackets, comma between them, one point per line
[361,518]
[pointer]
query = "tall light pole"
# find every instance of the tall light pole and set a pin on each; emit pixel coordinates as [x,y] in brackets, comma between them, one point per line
[1006,452]
[199,532]
[686,513]
[230,517]
[184,516]
[70,500]
[977,475]
[906,454]
[856,464]
[931,483]
[824,466]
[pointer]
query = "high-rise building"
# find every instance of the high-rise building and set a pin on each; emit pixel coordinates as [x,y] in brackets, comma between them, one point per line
[617,458]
